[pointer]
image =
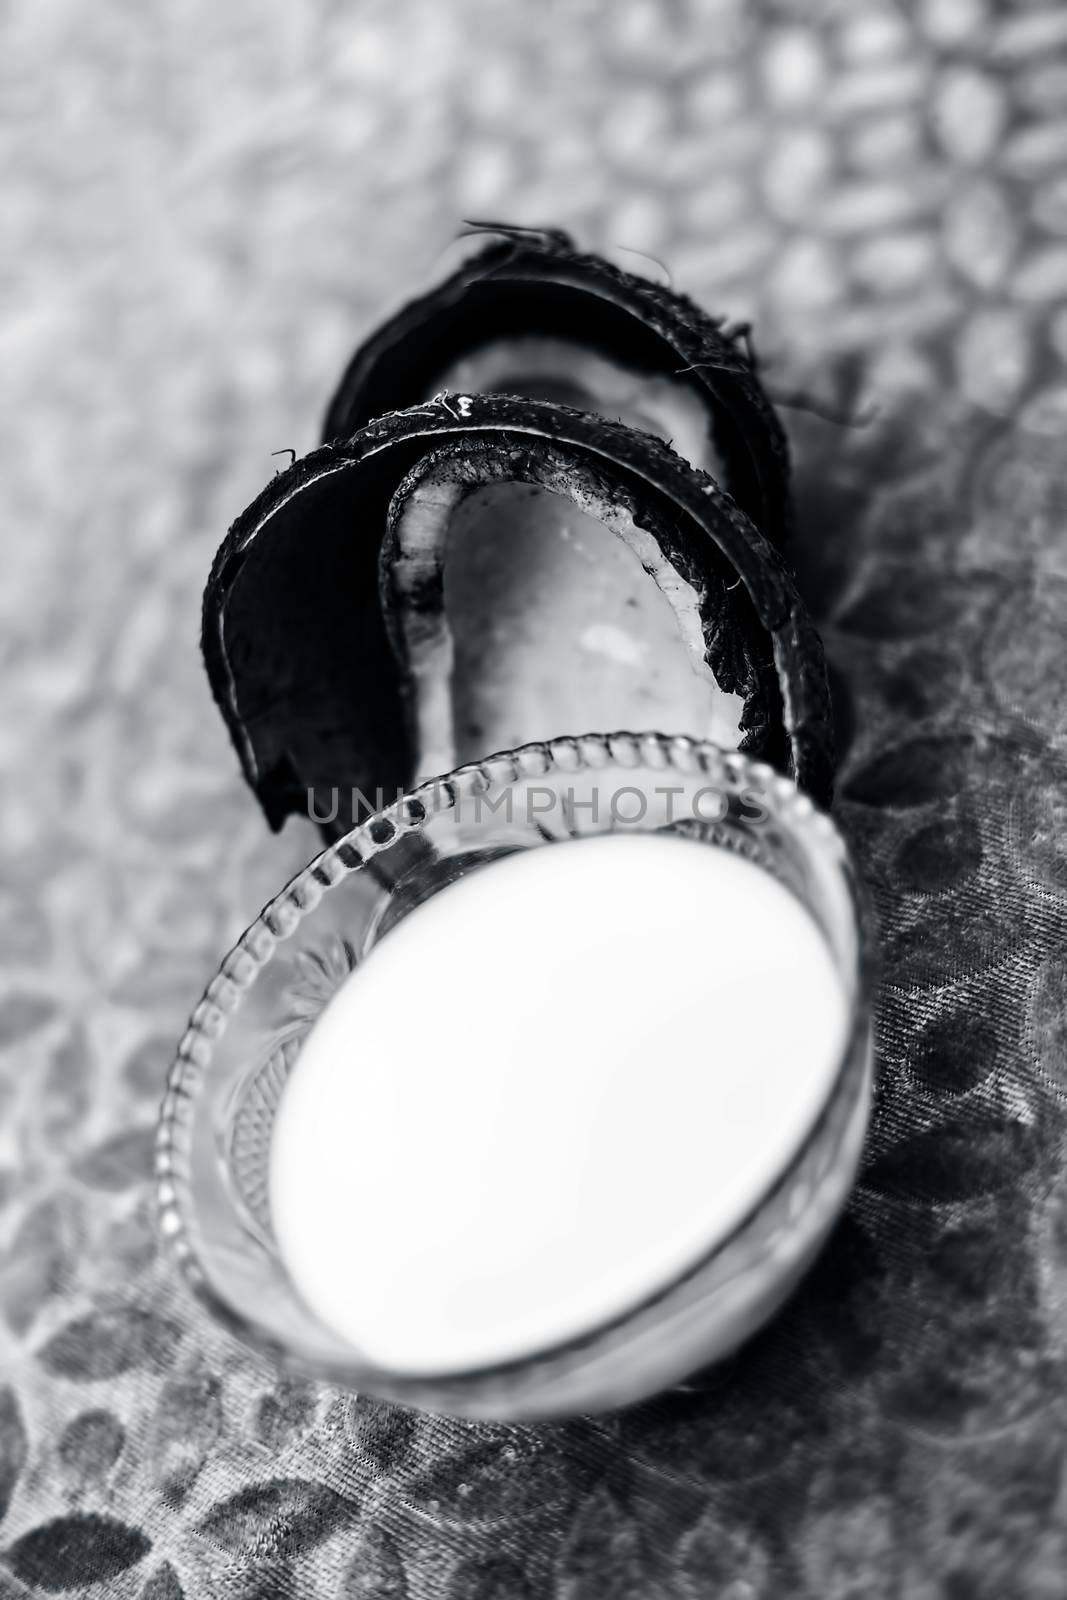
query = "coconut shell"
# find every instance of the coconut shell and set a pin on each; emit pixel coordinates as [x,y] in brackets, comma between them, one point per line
[297,641]
[527,283]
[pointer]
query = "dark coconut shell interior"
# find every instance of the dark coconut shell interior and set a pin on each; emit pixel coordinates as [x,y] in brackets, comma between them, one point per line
[528,284]
[296,637]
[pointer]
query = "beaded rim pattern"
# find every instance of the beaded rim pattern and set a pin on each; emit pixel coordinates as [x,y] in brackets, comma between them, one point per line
[281,917]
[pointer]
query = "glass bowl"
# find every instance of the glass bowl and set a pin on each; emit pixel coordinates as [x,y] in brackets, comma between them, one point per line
[213,1143]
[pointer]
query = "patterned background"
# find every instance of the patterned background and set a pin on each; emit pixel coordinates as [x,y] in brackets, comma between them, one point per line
[207,205]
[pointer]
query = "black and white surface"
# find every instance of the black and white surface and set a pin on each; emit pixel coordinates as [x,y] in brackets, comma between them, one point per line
[204,211]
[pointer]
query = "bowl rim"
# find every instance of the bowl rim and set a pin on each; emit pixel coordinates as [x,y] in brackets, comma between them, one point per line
[479,1391]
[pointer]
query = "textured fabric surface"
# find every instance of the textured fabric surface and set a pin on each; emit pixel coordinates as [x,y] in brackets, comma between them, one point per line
[207,205]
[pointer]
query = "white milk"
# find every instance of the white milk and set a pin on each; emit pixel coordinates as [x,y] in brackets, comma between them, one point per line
[547,1091]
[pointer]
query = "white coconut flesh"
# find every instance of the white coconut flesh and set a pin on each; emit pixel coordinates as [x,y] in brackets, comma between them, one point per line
[556,615]
[572,374]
